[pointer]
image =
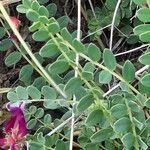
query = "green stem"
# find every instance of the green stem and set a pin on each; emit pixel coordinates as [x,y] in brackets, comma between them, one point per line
[133,125]
[99,65]
[98,101]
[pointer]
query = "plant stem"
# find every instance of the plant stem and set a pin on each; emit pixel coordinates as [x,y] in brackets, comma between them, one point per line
[99,65]
[133,125]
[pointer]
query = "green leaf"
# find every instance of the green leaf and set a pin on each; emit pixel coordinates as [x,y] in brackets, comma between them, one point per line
[147,103]
[25,74]
[72,85]
[80,92]
[33,92]
[139,2]
[119,111]
[122,125]
[138,124]
[125,3]
[47,119]
[49,50]
[143,14]
[35,5]
[5,44]
[78,46]
[134,106]
[111,4]
[12,96]
[102,135]
[43,19]
[39,82]
[43,11]
[32,109]
[85,102]
[39,113]
[133,39]
[22,9]
[93,52]
[66,35]
[146,80]
[40,35]
[104,77]
[59,67]
[88,70]
[35,26]
[88,75]
[128,140]
[48,92]
[31,124]
[63,103]
[109,59]
[126,30]
[143,89]
[145,37]
[36,145]
[51,104]
[22,93]
[27,3]
[40,137]
[83,139]
[142,144]
[147,123]
[128,71]
[54,27]
[2,32]
[52,8]
[32,15]
[51,140]
[89,67]
[63,21]
[13,58]
[61,145]
[27,116]
[145,59]
[43,1]
[140,29]
[38,57]
[71,55]
[94,117]
[90,146]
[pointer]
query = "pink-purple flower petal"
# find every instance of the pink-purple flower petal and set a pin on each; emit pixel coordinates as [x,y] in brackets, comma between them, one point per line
[15,130]
[17,119]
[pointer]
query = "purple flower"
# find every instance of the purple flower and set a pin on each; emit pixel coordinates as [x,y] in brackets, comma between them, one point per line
[15,130]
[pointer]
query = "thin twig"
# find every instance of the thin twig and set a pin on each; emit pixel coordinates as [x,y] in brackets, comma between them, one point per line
[76,75]
[111,90]
[92,8]
[96,31]
[132,50]
[60,126]
[121,32]
[118,43]
[4,90]
[83,12]
[113,23]
[142,69]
